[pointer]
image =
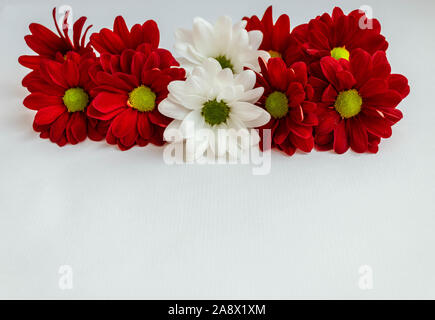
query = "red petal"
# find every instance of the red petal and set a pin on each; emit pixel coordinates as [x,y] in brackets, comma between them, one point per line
[361,65]
[78,126]
[136,36]
[296,94]
[157,118]
[53,72]
[300,72]
[120,28]
[48,115]
[324,142]
[281,132]
[287,147]
[345,81]
[39,46]
[357,135]
[113,42]
[152,61]
[108,102]
[149,76]
[281,33]
[138,62]
[167,60]
[278,74]
[47,36]
[340,138]
[124,123]
[317,35]
[71,73]
[328,120]
[144,127]
[302,131]
[157,138]
[151,33]
[373,87]
[376,125]
[267,20]
[31,62]
[330,68]
[57,129]
[129,140]
[387,99]
[399,83]
[381,66]
[306,145]
[95,114]
[126,60]
[329,95]
[77,31]
[36,101]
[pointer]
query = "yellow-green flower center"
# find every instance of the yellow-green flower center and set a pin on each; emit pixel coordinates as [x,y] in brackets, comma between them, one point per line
[215,112]
[277,104]
[348,103]
[225,62]
[75,99]
[340,53]
[275,54]
[142,99]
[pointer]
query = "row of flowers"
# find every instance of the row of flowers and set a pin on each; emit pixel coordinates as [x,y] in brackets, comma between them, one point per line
[325,84]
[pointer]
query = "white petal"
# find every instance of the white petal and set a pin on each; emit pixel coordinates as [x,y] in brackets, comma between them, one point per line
[246,111]
[225,77]
[211,67]
[186,64]
[192,123]
[264,55]
[229,94]
[255,38]
[172,109]
[263,119]
[223,33]
[203,36]
[182,93]
[172,133]
[183,35]
[247,79]
[252,96]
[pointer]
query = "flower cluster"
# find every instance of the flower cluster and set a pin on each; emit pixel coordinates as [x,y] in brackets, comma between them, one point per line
[326,84]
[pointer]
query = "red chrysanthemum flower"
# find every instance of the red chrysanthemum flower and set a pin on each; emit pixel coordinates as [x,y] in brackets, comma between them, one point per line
[60,93]
[130,87]
[277,39]
[287,97]
[120,39]
[48,45]
[338,35]
[357,101]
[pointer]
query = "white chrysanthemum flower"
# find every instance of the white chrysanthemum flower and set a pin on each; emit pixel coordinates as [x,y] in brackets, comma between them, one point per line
[231,45]
[213,110]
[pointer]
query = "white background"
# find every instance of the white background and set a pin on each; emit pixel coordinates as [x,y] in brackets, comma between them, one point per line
[132,227]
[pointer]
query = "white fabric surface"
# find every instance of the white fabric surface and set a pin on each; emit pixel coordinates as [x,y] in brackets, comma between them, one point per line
[132,227]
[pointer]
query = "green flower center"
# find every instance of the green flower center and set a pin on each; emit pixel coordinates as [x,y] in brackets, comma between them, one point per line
[75,99]
[215,112]
[225,62]
[275,54]
[277,104]
[348,103]
[340,53]
[142,99]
